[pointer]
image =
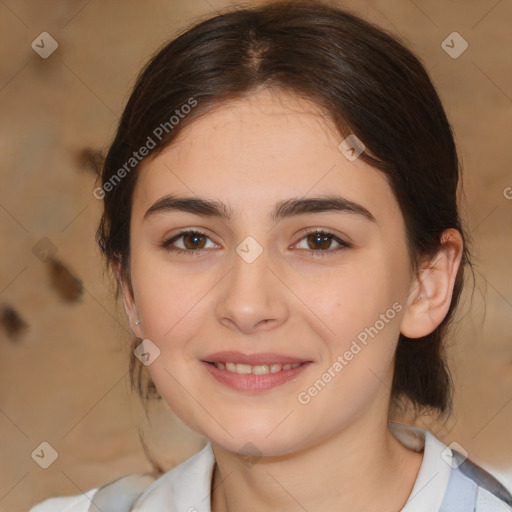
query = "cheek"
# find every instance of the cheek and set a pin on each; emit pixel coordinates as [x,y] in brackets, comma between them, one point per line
[359,322]
[169,298]
[349,299]
[357,311]
[173,307]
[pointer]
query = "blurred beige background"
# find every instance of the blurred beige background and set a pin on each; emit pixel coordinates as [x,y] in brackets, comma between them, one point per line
[63,341]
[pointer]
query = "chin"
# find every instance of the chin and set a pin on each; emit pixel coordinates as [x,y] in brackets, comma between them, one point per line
[257,444]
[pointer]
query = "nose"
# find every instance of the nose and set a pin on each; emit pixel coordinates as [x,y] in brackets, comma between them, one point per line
[252,297]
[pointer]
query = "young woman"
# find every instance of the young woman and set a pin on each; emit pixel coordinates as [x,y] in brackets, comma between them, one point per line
[280,213]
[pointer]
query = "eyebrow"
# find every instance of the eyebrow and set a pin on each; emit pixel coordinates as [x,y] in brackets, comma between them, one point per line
[284,209]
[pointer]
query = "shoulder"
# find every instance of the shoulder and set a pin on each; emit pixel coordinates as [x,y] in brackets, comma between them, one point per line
[187,483]
[472,483]
[116,496]
[455,482]
[488,502]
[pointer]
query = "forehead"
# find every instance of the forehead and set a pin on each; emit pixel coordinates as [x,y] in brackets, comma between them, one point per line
[254,152]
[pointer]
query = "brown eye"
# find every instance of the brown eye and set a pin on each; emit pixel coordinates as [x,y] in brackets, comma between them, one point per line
[194,241]
[188,241]
[320,243]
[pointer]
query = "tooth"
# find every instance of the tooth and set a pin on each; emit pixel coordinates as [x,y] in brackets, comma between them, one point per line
[243,368]
[260,369]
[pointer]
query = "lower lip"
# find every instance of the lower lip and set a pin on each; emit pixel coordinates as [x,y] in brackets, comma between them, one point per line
[252,382]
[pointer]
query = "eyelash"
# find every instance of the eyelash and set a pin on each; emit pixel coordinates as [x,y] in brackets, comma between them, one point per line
[166,244]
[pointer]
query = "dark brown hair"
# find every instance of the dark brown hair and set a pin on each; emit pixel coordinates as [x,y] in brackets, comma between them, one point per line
[368,84]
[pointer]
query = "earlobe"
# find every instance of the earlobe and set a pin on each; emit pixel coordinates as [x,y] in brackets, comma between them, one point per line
[128,300]
[431,291]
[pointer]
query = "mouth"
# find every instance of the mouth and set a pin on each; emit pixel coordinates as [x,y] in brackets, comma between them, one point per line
[257,369]
[254,372]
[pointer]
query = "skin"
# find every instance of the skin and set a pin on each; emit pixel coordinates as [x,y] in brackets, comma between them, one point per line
[336,452]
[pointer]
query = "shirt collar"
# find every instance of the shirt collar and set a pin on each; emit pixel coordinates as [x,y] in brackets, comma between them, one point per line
[186,488]
[432,480]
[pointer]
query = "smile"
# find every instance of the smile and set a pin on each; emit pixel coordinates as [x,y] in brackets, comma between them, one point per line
[254,378]
[257,369]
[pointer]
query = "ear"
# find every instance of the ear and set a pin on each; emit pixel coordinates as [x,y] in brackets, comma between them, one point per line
[128,299]
[431,291]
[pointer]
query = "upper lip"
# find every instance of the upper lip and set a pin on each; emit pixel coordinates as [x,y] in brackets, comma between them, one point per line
[268,358]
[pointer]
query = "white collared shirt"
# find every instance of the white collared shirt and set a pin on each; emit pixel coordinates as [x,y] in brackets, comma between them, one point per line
[442,485]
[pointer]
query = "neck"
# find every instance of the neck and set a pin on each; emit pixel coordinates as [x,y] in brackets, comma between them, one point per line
[364,467]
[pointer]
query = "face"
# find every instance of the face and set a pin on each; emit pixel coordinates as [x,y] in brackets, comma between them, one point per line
[269,274]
